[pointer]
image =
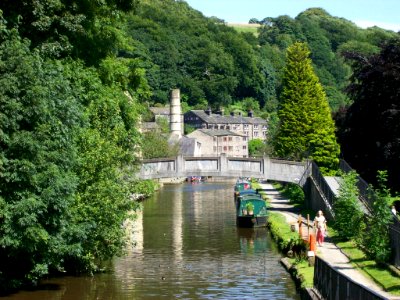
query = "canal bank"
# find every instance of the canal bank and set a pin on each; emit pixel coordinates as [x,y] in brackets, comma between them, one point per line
[329,252]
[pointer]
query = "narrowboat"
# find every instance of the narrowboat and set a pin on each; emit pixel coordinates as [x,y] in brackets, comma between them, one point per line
[241,185]
[251,211]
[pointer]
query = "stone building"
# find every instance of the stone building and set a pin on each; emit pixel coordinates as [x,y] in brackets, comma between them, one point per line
[250,126]
[214,142]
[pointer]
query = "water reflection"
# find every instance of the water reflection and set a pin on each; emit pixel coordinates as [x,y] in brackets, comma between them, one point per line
[187,247]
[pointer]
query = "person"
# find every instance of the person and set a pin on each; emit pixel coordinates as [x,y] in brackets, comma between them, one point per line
[320,225]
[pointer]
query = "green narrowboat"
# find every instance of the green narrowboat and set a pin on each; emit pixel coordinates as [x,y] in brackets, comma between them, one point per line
[251,211]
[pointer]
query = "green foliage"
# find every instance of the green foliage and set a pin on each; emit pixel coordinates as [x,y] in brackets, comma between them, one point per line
[67,143]
[258,147]
[376,239]
[39,120]
[306,128]
[144,188]
[294,193]
[349,222]
[374,90]
[206,59]
[285,238]
[188,128]
[60,28]
[156,145]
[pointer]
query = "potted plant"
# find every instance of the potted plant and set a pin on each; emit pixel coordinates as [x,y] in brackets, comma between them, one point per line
[250,208]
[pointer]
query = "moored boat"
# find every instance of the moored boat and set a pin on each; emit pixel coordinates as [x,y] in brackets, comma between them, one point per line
[241,185]
[251,211]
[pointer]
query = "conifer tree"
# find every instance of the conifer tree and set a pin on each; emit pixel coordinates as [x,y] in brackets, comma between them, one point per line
[306,128]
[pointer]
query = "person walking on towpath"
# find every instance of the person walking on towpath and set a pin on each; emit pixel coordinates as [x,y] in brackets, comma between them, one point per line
[320,225]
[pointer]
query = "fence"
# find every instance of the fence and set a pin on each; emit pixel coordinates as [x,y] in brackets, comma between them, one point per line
[333,285]
[322,184]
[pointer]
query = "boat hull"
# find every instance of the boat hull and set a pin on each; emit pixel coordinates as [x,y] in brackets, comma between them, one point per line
[251,221]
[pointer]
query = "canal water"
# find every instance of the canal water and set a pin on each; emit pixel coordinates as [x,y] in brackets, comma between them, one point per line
[187,246]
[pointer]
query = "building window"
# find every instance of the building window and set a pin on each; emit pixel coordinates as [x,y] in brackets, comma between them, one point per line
[215,148]
[230,148]
[244,147]
[230,139]
[246,126]
[255,133]
[215,138]
[255,126]
[210,127]
[245,139]
[228,127]
[219,148]
[246,133]
[264,133]
[225,138]
[264,127]
[225,148]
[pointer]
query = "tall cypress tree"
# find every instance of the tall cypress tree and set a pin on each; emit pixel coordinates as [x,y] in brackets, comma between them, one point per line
[306,127]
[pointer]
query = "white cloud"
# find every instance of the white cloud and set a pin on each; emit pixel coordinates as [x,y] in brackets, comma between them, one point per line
[389,26]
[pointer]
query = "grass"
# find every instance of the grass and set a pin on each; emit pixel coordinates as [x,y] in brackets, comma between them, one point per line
[251,28]
[286,239]
[381,274]
[304,271]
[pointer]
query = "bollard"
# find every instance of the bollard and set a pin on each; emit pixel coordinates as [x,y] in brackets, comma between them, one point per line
[311,258]
[313,242]
[299,221]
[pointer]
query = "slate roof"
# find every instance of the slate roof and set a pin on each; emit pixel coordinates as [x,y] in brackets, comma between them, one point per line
[219,132]
[218,119]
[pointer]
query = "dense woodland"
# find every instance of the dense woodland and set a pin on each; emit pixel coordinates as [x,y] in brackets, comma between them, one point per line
[76,76]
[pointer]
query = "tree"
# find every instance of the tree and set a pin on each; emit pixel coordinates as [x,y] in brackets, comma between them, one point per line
[376,240]
[348,214]
[67,144]
[40,118]
[60,28]
[370,135]
[257,147]
[306,127]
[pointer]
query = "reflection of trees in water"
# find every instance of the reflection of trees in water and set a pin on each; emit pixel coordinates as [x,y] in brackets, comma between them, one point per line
[252,240]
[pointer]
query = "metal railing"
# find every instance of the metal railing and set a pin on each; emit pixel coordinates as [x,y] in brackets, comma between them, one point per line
[322,184]
[331,284]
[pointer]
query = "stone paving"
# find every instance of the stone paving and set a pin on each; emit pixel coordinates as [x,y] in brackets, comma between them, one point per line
[329,251]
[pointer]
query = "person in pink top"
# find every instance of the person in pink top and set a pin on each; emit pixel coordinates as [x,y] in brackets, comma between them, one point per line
[320,226]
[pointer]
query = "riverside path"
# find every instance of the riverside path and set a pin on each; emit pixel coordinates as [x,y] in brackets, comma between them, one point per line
[329,252]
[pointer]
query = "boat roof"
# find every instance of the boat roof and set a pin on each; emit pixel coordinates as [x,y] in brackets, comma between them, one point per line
[251,197]
[248,191]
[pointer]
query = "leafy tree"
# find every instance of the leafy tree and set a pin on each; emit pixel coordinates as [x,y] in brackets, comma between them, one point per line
[306,127]
[40,118]
[83,29]
[376,240]
[257,147]
[156,145]
[67,142]
[349,221]
[371,132]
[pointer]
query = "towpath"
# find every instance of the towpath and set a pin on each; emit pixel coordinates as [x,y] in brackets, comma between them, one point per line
[329,251]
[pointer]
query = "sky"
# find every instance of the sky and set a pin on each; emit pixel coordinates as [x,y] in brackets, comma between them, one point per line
[365,13]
